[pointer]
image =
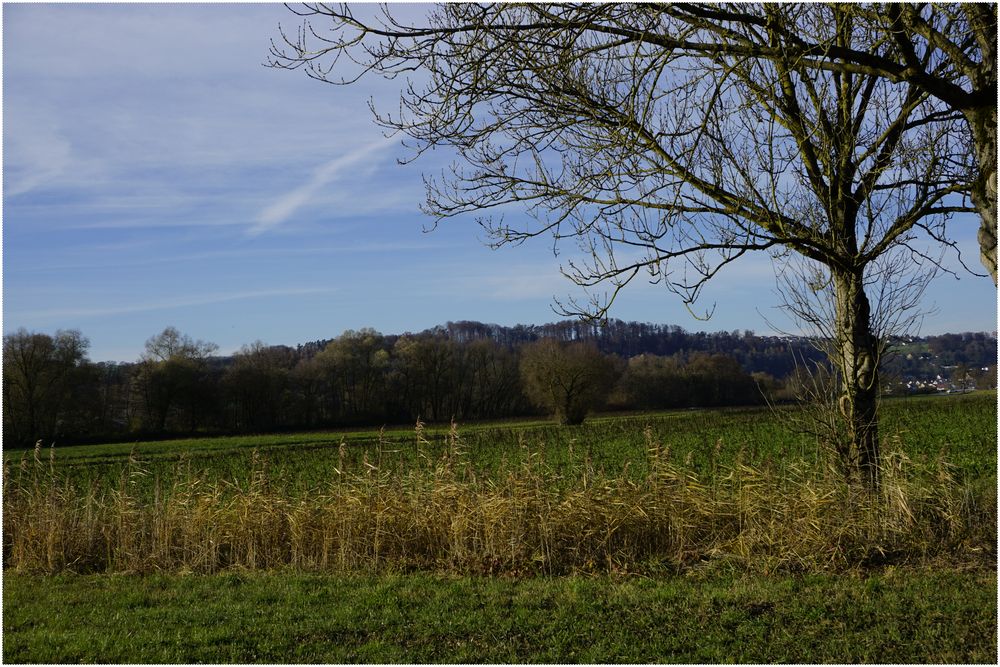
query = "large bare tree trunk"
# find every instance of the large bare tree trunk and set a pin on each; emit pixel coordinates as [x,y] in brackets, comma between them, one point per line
[984,188]
[856,356]
[982,118]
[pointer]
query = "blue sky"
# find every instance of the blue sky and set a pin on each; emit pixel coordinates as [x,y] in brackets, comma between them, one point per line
[156,174]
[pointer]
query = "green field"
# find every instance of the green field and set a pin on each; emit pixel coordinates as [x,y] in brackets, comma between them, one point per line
[694,536]
[892,617]
[963,428]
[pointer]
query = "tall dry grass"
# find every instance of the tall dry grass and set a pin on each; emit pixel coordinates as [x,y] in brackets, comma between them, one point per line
[440,515]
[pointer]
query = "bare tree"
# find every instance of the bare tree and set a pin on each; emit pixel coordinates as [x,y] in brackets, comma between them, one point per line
[37,369]
[824,389]
[256,385]
[568,379]
[948,51]
[666,157]
[171,377]
[356,365]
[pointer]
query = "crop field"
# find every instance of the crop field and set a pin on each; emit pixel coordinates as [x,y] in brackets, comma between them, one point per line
[961,428]
[684,501]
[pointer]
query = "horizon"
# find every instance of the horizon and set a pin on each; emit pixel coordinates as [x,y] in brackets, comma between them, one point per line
[430,330]
[156,174]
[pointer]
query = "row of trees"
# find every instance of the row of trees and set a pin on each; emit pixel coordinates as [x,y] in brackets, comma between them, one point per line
[459,370]
[178,386]
[764,354]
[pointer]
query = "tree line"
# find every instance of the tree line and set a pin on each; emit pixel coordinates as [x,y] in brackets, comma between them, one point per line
[180,386]
[463,370]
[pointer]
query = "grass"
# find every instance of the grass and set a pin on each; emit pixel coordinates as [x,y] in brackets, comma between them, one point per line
[894,617]
[963,427]
[695,536]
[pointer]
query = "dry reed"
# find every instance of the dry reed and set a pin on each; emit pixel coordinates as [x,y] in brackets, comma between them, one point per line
[529,519]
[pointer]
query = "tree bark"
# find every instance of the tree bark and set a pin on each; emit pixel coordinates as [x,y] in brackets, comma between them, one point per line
[856,355]
[982,118]
[984,189]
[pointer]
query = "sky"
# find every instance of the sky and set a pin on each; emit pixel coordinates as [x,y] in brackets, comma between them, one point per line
[156,174]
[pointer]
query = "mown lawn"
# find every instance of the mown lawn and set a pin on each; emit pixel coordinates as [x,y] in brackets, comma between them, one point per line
[894,617]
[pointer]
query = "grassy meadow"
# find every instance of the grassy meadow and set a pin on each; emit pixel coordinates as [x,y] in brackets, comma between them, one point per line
[507,541]
[240,617]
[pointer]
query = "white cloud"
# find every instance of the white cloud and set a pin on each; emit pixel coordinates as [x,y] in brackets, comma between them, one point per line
[189,112]
[41,155]
[182,302]
[286,206]
[495,279]
[127,249]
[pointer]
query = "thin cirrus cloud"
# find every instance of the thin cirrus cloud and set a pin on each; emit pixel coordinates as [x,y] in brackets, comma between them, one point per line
[40,156]
[380,248]
[286,206]
[184,302]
